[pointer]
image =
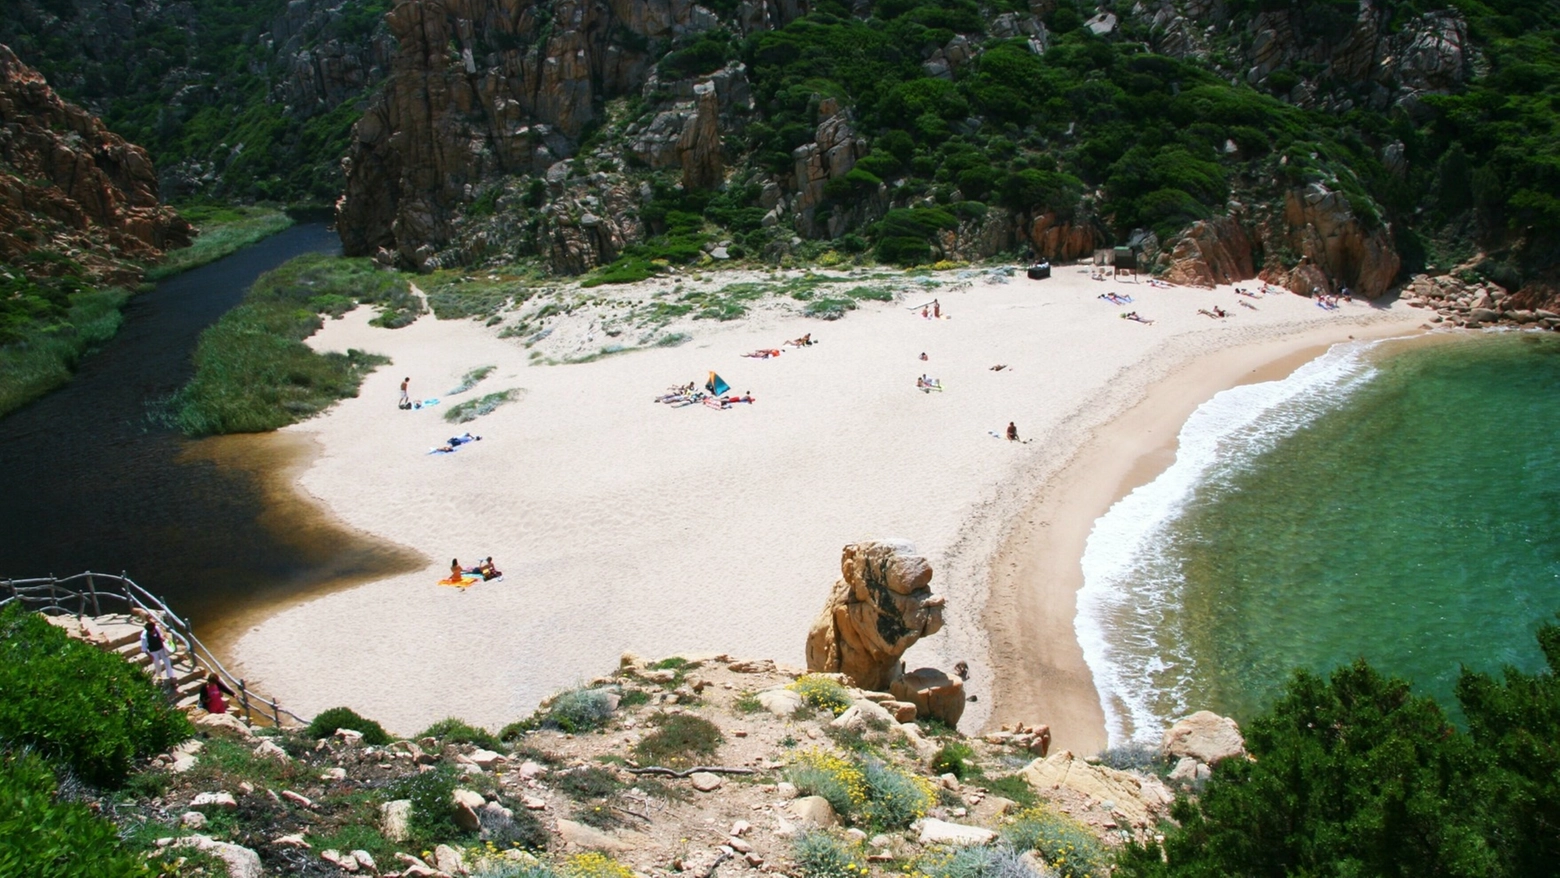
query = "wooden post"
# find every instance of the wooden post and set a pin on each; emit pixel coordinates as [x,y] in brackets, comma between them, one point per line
[243,696]
[54,596]
[276,713]
[92,587]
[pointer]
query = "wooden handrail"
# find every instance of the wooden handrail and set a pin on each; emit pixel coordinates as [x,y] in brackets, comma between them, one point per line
[44,595]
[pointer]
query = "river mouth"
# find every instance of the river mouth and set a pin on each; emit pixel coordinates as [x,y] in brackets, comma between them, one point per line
[90,478]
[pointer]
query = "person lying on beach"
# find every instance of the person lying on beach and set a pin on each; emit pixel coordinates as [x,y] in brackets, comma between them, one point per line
[802,342]
[1115,299]
[747,397]
[1206,313]
[1246,304]
[1156,282]
[763,354]
[1133,315]
[463,439]
[1247,293]
[927,385]
[1000,366]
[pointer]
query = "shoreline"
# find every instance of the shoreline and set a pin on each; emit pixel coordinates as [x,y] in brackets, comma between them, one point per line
[624,526]
[1036,575]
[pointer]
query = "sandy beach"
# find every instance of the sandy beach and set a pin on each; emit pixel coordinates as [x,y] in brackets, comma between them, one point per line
[624,525]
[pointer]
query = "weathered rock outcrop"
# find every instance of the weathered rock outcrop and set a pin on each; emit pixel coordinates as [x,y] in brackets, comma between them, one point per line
[1337,248]
[68,185]
[1134,800]
[484,88]
[1204,736]
[880,605]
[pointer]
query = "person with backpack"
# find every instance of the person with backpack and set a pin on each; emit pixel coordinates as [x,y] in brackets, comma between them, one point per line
[152,644]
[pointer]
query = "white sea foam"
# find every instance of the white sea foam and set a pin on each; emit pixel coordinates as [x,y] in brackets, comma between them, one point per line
[1132,581]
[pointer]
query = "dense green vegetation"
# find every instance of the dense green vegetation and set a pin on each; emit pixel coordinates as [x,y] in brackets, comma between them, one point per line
[1355,775]
[198,82]
[44,835]
[47,325]
[252,370]
[85,711]
[223,230]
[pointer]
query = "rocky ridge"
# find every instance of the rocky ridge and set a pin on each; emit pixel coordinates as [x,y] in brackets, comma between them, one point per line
[71,191]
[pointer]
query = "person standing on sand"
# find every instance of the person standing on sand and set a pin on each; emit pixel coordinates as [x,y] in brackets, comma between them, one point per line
[1012,432]
[936,309]
[152,644]
[406,399]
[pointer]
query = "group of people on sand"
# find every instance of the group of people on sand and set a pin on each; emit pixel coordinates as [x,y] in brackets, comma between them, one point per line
[932,310]
[1217,313]
[484,569]
[1329,302]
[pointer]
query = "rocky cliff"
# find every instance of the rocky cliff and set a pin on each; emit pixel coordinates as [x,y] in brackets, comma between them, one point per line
[70,189]
[480,89]
[234,100]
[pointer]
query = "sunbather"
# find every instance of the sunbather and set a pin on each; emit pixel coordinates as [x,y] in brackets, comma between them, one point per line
[999,367]
[802,342]
[763,354]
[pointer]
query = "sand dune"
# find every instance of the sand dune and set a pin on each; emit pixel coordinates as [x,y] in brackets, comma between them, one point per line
[623,525]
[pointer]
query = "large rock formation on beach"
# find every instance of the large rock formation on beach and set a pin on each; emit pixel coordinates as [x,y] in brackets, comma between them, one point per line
[878,608]
[71,190]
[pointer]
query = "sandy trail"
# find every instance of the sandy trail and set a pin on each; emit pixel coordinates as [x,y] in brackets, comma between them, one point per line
[623,525]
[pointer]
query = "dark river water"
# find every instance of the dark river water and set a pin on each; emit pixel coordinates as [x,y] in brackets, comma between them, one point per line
[89,479]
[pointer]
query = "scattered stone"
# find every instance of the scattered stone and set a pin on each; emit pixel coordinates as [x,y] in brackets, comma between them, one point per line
[349,737]
[486,759]
[940,832]
[851,720]
[332,774]
[780,702]
[990,808]
[447,859]
[184,755]
[530,770]
[226,722]
[225,801]
[241,862]
[949,781]
[290,841]
[466,805]
[786,790]
[344,862]
[532,803]
[395,818]
[705,782]
[366,860]
[738,845]
[298,799]
[814,810]
[1204,736]
[934,694]
[269,750]
[901,711]
[740,828]
[193,820]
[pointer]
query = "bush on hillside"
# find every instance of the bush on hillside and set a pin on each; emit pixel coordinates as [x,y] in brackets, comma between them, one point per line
[679,740]
[453,731]
[580,710]
[79,707]
[41,835]
[1353,774]
[327,722]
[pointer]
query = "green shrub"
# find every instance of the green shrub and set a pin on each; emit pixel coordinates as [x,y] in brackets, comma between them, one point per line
[1014,787]
[1071,850]
[679,740]
[472,409]
[46,326]
[821,692]
[495,867]
[993,861]
[454,731]
[580,710]
[79,707]
[840,781]
[821,854]
[327,722]
[587,782]
[472,378]
[895,798]
[956,758]
[433,806]
[40,835]
[830,308]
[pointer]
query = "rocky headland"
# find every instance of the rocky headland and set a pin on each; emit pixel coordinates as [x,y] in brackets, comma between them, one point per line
[74,196]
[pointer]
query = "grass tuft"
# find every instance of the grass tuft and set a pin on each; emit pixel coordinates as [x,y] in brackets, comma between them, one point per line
[472,409]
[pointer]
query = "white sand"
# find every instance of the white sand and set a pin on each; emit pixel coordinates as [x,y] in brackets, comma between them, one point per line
[623,525]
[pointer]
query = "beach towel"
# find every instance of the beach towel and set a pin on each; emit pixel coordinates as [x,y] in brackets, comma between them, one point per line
[466,581]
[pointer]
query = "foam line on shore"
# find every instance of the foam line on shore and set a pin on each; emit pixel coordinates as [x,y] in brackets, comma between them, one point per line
[1131,584]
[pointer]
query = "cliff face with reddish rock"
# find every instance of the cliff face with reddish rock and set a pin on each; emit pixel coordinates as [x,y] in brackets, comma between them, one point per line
[1335,247]
[484,88]
[71,187]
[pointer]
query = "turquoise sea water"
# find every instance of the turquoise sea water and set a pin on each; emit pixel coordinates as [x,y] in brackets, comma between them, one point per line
[1399,502]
